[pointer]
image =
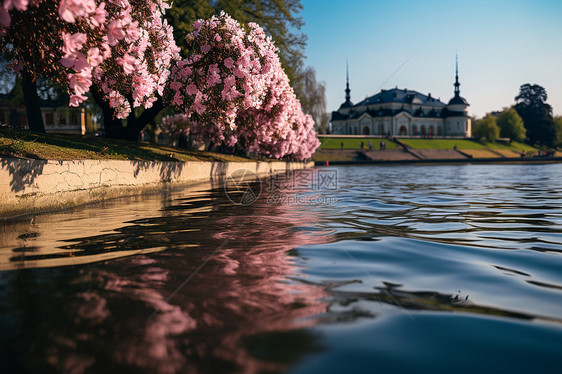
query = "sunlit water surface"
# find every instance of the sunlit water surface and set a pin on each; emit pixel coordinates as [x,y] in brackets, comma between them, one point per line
[398,269]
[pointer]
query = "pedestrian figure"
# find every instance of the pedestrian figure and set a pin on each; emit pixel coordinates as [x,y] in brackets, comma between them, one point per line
[370,146]
[362,145]
[342,146]
[381,145]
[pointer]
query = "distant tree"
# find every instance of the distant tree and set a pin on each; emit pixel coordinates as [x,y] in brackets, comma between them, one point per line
[486,129]
[558,130]
[511,125]
[536,114]
[313,98]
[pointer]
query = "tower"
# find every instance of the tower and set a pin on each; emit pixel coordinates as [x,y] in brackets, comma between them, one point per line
[347,90]
[457,120]
[457,84]
[347,103]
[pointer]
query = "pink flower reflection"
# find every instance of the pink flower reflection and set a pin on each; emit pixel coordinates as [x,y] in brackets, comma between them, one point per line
[244,290]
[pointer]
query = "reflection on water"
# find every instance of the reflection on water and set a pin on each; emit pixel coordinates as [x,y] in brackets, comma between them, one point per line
[410,268]
[224,274]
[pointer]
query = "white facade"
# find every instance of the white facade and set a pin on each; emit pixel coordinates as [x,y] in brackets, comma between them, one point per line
[403,112]
[399,112]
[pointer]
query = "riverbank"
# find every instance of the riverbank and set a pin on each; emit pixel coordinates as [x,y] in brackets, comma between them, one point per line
[364,150]
[495,160]
[33,186]
[43,172]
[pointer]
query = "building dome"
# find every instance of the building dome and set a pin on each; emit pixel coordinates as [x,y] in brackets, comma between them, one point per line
[458,100]
[347,104]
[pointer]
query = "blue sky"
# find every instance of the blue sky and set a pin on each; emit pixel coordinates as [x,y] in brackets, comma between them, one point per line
[501,45]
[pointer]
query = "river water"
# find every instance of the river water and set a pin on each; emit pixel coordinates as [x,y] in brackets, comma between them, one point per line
[349,269]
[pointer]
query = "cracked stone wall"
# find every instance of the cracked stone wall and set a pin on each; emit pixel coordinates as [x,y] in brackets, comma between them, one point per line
[35,185]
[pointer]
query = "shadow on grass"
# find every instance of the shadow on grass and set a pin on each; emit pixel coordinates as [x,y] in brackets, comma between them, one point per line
[20,143]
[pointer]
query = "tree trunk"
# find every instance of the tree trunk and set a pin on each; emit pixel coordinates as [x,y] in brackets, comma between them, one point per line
[112,126]
[32,104]
[135,125]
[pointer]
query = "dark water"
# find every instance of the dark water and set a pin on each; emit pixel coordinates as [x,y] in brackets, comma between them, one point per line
[398,269]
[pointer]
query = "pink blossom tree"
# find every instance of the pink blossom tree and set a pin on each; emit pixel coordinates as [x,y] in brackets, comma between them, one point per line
[234,91]
[231,86]
[124,47]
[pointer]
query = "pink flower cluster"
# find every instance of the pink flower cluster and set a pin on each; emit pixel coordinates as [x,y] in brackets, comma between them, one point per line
[233,89]
[7,5]
[278,127]
[143,49]
[125,46]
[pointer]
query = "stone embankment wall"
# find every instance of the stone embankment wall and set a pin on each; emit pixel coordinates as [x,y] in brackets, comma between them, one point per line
[28,186]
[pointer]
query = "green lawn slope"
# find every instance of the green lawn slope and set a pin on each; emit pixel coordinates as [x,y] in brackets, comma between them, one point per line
[353,143]
[16,143]
[465,144]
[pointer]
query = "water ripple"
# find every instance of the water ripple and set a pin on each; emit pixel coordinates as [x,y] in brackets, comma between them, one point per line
[492,232]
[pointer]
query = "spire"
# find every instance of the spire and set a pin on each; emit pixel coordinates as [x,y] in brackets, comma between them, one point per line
[347,90]
[457,99]
[457,84]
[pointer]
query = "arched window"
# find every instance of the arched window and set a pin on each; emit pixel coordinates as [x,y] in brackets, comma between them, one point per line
[422,131]
[431,130]
[414,129]
[366,130]
[355,131]
[439,132]
[403,131]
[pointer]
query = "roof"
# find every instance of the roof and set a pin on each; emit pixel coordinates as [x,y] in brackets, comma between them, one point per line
[401,96]
[451,113]
[386,112]
[458,100]
[337,116]
[347,104]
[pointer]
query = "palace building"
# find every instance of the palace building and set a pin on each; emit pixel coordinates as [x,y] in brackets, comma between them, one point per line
[403,112]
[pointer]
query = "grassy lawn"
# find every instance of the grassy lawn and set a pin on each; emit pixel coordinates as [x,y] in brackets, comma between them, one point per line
[464,144]
[26,144]
[442,144]
[353,143]
[72,147]
[333,155]
[514,146]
